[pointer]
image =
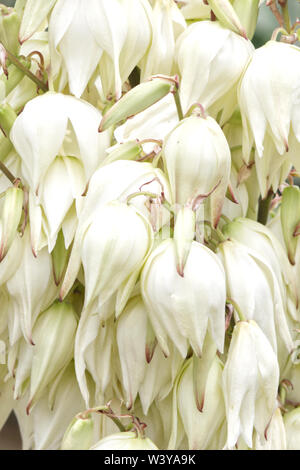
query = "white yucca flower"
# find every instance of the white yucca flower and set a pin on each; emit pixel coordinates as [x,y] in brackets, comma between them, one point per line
[181,308]
[116,32]
[54,125]
[250,382]
[209,74]
[167,24]
[269,98]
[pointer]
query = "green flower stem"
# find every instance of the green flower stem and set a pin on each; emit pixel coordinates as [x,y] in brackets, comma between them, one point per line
[285,14]
[7,173]
[263,209]
[178,104]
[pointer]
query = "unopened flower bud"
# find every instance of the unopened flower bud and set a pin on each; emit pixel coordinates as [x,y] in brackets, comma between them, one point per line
[136,100]
[10,218]
[247,11]
[79,435]
[184,233]
[59,323]
[292,428]
[7,118]
[9,28]
[226,14]
[124,441]
[290,219]
[125,151]
[60,257]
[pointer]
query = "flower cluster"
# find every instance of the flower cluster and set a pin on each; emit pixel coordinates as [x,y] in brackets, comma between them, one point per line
[149,225]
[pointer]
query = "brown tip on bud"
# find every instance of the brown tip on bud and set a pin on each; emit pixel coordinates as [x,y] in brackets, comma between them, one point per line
[100,127]
[200,405]
[286,145]
[22,40]
[291,259]
[244,35]
[129,404]
[149,354]
[180,270]
[28,408]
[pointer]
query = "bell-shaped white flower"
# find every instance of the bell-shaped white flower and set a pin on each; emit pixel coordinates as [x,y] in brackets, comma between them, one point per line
[269,97]
[250,383]
[50,415]
[51,356]
[254,290]
[116,33]
[200,427]
[117,181]
[197,161]
[211,60]
[32,286]
[159,378]
[259,238]
[167,24]
[96,352]
[113,251]
[183,308]
[59,191]
[272,169]
[132,348]
[55,124]
[109,256]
